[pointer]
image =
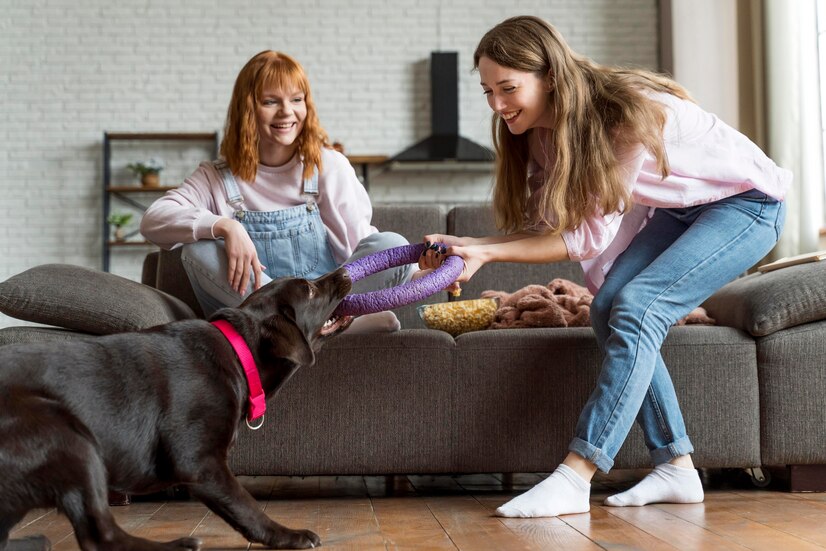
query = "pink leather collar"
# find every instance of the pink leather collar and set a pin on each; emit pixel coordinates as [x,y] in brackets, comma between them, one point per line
[258,402]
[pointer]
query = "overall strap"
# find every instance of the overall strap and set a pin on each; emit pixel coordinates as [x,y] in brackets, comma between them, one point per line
[311,184]
[311,190]
[234,197]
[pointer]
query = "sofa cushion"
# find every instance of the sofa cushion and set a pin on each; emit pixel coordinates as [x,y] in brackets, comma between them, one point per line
[792,390]
[763,303]
[411,221]
[87,300]
[35,333]
[526,388]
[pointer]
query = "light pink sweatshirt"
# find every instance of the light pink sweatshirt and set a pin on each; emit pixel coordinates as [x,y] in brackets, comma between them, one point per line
[709,161]
[188,213]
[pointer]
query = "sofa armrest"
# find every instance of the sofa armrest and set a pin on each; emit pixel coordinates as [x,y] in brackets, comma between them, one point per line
[763,303]
[171,278]
[149,273]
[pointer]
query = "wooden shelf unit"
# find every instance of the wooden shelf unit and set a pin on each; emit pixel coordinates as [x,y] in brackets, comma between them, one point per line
[126,192]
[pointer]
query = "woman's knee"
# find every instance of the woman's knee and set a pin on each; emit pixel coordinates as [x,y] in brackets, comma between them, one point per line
[208,253]
[650,311]
[601,308]
[380,241]
[629,303]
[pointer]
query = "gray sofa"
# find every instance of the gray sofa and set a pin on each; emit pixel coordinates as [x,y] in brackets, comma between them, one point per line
[752,388]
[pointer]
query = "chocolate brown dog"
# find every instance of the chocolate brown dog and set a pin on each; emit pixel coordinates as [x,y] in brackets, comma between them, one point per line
[140,412]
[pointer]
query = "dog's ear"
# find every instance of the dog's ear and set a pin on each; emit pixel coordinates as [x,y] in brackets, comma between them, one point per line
[288,341]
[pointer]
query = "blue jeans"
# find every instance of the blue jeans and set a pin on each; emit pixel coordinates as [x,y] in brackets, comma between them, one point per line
[205,263]
[679,259]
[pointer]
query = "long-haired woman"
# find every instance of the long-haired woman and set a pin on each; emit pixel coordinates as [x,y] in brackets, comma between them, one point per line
[279,202]
[661,202]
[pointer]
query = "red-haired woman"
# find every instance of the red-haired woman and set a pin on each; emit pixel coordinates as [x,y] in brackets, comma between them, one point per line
[280,202]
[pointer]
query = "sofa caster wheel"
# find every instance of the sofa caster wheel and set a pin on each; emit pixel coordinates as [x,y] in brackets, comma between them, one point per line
[759,477]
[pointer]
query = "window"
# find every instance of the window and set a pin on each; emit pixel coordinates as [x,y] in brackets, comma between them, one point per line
[821,51]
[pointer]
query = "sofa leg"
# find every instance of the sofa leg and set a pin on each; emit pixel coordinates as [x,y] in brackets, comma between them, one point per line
[117,499]
[807,478]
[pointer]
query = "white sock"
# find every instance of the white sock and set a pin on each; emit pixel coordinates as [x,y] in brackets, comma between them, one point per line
[380,322]
[667,483]
[562,493]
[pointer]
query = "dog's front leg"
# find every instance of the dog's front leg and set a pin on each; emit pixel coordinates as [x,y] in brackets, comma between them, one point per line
[218,488]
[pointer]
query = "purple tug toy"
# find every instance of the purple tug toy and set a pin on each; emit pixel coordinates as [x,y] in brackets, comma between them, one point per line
[410,292]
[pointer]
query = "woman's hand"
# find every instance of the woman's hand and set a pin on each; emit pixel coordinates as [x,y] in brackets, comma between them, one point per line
[528,247]
[437,244]
[446,239]
[435,255]
[472,256]
[242,260]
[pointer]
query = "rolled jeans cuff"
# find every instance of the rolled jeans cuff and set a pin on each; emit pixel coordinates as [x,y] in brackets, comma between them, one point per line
[591,453]
[677,448]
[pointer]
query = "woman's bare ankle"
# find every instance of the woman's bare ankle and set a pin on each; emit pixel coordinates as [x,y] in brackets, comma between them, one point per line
[683,461]
[580,465]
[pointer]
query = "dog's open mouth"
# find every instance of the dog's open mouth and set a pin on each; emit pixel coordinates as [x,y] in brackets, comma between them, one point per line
[335,324]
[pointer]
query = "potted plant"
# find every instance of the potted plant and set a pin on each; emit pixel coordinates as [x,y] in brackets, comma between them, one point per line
[119,219]
[149,171]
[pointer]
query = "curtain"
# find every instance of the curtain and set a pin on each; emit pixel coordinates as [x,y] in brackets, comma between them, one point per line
[793,130]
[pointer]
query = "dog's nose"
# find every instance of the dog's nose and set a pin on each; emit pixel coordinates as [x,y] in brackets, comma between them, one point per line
[340,278]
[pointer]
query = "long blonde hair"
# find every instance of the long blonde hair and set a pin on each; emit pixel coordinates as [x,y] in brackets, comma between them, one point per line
[598,112]
[240,144]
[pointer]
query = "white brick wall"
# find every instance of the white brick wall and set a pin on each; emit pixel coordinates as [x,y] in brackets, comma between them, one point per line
[72,69]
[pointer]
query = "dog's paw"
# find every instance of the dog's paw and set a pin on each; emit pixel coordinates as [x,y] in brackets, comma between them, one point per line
[297,539]
[190,544]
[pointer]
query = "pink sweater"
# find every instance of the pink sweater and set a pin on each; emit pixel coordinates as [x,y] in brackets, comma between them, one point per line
[709,161]
[187,214]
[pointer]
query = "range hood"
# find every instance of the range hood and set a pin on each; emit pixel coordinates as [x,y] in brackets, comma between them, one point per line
[444,149]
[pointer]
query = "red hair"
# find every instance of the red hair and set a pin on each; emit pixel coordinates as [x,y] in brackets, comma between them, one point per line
[240,144]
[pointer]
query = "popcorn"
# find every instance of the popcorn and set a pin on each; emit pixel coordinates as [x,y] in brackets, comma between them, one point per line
[460,316]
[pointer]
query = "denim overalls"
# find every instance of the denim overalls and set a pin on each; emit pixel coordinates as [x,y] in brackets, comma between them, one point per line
[290,242]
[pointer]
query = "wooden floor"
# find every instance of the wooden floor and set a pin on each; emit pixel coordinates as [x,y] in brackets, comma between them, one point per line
[456,512]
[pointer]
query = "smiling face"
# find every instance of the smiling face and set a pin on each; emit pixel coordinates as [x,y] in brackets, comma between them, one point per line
[280,114]
[520,98]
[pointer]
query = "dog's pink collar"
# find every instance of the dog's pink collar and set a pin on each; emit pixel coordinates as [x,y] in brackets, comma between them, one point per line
[258,402]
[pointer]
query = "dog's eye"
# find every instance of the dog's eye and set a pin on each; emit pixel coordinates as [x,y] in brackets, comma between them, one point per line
[311,290]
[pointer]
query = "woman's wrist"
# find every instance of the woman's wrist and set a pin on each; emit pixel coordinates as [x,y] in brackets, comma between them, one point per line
[222,227]
[487,252]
